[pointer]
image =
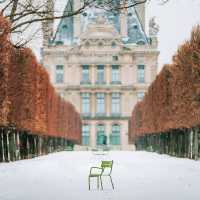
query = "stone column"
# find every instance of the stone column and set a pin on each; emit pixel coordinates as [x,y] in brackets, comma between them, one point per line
[108,74]
[93,104]
[108,104]
[93,74]
[92,135]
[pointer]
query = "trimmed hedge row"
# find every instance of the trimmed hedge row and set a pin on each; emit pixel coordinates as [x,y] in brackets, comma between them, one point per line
[173,99]
[27,99]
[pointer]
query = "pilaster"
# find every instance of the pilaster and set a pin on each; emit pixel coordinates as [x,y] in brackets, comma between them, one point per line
[93,104]
[93,136]
[108,74]
[92,73]
[108,104]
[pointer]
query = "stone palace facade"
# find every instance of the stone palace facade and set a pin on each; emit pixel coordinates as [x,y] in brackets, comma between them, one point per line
[102,62]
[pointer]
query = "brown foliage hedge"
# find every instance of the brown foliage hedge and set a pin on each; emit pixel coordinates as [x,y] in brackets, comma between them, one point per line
[173,99]
[27,99]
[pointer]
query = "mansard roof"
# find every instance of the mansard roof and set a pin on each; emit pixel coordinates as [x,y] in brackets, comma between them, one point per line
[65,29]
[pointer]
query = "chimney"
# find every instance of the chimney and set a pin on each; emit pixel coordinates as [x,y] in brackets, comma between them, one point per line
[47,26]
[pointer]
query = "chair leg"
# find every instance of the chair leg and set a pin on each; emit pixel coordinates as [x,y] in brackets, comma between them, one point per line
[112,182]
[89,182]
[101,183]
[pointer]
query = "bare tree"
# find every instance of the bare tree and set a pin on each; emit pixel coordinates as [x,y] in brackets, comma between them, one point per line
[24,13]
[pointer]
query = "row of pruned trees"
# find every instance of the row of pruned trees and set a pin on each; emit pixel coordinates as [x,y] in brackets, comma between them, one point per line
[168,118]
[29,104]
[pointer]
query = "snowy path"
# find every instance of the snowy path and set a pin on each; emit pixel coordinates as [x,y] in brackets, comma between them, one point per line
[136,175]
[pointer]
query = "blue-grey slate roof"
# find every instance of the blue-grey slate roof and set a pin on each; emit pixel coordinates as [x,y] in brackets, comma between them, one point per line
[65,29]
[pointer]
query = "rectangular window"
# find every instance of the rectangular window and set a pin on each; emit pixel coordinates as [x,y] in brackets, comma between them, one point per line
[85,103]
[100,74]
[100,103]
[115,58]
[59,73]
[115,74]
[115,135]
[115,104]
[85,74]
[101,137]
[85,134]
[140,96]
[141,74]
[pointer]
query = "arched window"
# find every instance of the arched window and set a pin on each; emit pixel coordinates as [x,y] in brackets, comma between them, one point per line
[101,137]
[87,44]
[115,135]
[113,44]
[140,42]
[86,134]
[100,44]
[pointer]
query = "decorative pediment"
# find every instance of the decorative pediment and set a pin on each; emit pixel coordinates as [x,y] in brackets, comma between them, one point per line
[100,29]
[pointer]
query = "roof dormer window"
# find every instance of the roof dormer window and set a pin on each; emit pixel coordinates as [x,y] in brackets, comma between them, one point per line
[113,44]
[65,26]
[87,44]
[100,44]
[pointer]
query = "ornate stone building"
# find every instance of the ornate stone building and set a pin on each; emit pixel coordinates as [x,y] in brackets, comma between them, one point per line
[103,63]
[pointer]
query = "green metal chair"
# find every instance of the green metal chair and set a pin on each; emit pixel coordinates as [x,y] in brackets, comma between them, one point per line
[98,172]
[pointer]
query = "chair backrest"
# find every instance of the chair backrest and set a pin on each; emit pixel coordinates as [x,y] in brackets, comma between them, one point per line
[107,164]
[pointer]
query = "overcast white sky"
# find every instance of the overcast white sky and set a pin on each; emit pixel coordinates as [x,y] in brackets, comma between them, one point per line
[176,20]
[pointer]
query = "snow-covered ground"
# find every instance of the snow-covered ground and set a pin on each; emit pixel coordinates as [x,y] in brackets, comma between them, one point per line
[136,175]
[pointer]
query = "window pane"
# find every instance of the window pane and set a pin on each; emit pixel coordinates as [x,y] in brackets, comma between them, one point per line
[100,103]
[85,134]
[115,136]
[115,73]
[100,73]
[59,73]
[141,69]
[101,137]
[85,73]
[85,103]
[115,103]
